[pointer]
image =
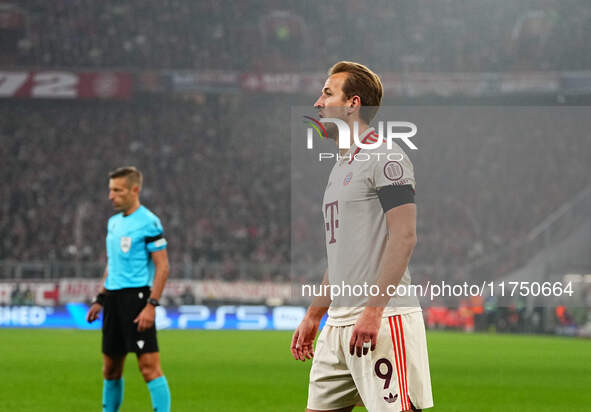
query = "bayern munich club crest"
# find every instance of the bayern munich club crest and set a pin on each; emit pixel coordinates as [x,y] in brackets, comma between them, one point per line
[393,170]
[348,179]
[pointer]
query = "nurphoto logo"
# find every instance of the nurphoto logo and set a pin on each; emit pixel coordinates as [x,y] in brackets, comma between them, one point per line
[345,133]
[386,132]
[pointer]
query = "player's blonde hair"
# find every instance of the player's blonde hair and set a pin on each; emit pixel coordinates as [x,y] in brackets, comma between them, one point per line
[130,173]
[362,82]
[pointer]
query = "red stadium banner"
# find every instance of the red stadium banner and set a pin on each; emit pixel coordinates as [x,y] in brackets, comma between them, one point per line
[395,84]
[29,293]
[63,84]
[68,84]
[187,81]
[271,82]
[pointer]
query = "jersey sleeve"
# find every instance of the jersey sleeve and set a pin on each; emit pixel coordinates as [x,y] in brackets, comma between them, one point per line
[155,239]
[393,179]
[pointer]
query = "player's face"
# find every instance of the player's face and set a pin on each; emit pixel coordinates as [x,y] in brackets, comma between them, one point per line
[332,102]
[121,194]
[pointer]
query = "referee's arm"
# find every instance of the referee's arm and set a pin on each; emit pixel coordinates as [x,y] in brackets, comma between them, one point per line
[105,274]
[160,259]
[145,319]
[95,308]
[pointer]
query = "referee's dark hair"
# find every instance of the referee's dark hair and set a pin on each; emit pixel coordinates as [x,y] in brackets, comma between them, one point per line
[133,176]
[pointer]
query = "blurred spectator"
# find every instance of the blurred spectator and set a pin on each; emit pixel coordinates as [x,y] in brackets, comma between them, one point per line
[219,176]
[210,183]
[16,296]
[425,36]
[27,297]
[188,297]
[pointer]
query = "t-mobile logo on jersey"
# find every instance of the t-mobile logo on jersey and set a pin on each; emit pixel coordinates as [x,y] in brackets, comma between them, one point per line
[331,210]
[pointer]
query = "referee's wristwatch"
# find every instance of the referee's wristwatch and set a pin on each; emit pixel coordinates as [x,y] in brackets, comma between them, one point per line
[100,299]
[153,302]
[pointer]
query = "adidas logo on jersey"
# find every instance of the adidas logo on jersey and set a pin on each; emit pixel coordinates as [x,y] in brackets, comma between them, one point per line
[390,398]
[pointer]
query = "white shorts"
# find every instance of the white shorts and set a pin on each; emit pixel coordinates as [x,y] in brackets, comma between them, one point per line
[395,374]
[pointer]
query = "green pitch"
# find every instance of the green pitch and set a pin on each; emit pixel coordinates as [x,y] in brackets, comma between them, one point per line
[59,370]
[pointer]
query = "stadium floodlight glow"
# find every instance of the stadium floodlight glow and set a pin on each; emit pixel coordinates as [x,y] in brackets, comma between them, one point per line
[345,133]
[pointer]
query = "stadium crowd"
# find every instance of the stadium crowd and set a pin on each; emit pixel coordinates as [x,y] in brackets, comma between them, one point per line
[281,35]
[217,172]
[56,159]
[480,190]
[483,186]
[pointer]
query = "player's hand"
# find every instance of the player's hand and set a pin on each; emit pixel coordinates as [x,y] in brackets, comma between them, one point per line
[93,312]
[366,330]
[145,320]
[302,342]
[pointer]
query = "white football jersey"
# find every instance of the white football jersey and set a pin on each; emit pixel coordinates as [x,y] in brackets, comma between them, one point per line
[355,224]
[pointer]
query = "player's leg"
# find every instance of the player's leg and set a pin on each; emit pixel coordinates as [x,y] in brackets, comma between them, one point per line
[331,386]
[113,382]
[411,330]
[145,346]
[114,352]
[347,409]
[113,366]
[149,364]
[395,376]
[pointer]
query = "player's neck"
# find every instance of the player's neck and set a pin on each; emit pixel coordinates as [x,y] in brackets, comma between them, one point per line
[362,129]
[129,211]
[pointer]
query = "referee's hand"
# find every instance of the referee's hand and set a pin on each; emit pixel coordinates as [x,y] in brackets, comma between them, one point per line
[93,312]
[145,320]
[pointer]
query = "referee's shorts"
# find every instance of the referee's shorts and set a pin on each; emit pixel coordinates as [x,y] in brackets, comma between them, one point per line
[120,334]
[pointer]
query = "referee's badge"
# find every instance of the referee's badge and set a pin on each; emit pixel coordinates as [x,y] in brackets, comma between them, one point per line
[125,244]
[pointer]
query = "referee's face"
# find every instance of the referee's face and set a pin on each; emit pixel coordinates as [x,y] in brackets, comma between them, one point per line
[121,194]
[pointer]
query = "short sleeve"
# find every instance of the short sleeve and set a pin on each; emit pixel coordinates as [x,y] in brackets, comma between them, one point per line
[393,177]
[393,169]
[154,236]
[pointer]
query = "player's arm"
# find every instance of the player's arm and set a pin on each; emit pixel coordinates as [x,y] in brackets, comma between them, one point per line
[401,223]
[320,303]
[302,342]
[401,215]
[145,319]
[97,304]
[399,247]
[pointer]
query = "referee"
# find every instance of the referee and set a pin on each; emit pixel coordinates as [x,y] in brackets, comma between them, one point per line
[137,269]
